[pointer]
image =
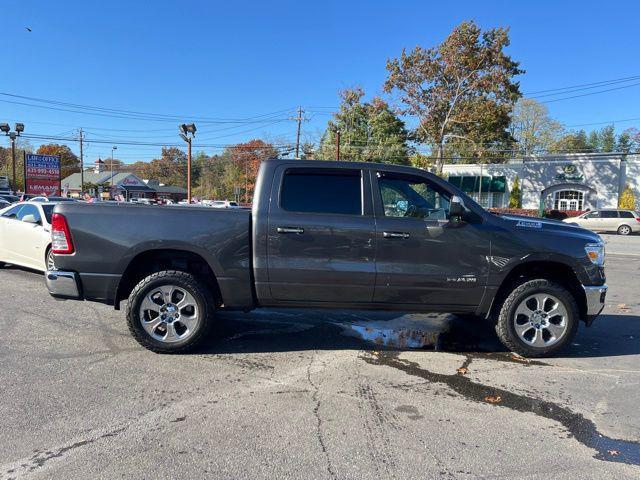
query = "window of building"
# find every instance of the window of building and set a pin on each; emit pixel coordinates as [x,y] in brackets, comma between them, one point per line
[568,200]
[313,190]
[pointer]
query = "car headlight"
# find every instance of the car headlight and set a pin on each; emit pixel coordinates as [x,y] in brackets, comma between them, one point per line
[595,252]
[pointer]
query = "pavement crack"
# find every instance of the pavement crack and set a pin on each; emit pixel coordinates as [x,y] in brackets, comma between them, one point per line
[40,458]
[580,428]
[315,396]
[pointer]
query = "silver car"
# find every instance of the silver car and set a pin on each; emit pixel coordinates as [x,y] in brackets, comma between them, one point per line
[623,222]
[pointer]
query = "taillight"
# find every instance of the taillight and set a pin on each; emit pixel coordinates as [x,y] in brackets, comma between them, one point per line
[60,235]
[638,219]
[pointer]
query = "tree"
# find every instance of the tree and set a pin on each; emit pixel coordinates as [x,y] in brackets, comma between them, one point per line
[572,142]
[462,89]
[593,142]
[515,198]
[369,131]
[240,166]
[607,139]
[69,162]
[627,199]
[532,128]
[6,163]
[170,168]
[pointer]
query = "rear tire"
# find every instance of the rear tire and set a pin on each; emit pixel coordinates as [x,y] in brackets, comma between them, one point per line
[170,312]
[538,319]
[624,230]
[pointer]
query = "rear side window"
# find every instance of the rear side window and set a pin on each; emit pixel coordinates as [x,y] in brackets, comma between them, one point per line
[48,212]
[609,214]
[624,214]
[322,191]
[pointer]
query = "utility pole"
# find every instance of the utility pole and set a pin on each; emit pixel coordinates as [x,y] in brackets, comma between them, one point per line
[337,145]
[81,166]
[185,130]
[299,120]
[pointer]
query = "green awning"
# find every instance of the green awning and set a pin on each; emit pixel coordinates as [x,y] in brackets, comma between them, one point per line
[472,183]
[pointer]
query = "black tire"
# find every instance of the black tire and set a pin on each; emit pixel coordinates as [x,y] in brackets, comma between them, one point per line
[624,230]
[197,289]
[505,323]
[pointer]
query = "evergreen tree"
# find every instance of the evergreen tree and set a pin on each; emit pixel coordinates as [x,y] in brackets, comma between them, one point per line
[515,199]
[594,141]
[607,139]
[369,132]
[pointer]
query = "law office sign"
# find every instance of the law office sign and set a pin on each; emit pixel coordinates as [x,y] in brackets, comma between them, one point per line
[42,174]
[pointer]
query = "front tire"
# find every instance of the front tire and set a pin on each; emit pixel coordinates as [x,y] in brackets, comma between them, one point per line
[538,319]
[170,312]
[624,230]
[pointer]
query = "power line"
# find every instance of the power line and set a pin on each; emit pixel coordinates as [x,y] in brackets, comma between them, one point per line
[600,83]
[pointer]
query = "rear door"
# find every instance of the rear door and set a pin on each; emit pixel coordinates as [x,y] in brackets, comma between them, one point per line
[7,224]
[423,257]
[321,236]
[609,220]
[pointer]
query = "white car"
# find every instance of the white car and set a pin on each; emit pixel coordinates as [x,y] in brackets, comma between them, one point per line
[220,204]
[25,235]
[621,221]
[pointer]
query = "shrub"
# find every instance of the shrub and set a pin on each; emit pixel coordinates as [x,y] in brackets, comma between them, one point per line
[627,199]
[515,200]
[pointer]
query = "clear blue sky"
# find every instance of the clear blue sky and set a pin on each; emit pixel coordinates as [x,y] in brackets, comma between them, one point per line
[242,59]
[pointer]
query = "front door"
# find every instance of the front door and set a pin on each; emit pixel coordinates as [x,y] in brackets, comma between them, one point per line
[321,236]
[422,256]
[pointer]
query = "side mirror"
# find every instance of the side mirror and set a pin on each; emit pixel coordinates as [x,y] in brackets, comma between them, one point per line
[30,219]
[456,207]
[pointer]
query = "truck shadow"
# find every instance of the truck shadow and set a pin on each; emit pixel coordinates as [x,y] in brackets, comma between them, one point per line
[296,330]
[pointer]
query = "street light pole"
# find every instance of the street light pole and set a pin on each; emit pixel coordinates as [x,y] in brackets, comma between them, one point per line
[18,129]
[185,130]
[112,149]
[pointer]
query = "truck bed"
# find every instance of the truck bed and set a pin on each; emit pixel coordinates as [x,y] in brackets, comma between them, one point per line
[108,237]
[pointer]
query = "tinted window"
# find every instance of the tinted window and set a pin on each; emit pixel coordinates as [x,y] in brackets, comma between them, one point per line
[624,214]
[609,214]
[322,191]
[29,210]
[12,212]
[415,197]
[48,212]
[592,215]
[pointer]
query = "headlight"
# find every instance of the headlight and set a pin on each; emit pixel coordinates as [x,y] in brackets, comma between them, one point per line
[595,252]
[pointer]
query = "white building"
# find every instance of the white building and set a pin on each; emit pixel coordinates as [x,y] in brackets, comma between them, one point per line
[561,182]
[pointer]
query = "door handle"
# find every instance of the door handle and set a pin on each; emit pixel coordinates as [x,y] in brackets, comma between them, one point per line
[402,235]
[296,230]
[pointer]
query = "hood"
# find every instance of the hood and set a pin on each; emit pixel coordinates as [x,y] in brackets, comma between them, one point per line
[546,225]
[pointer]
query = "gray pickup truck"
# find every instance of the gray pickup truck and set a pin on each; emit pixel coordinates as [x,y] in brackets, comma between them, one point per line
[331,235]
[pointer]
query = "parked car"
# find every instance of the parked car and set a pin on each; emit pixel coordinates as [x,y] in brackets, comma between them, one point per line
[25,235]
[332,235]
[623,222]
[9,198]
[41,199]
[4,203]
[220,203]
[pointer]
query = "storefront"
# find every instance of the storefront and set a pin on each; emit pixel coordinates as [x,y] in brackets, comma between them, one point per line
[559,182]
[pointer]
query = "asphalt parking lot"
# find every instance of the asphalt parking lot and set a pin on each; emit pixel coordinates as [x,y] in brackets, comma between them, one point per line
[294,394]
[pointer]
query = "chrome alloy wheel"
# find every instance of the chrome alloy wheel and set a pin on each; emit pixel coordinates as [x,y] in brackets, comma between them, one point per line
[540,320]
[50,261]
[169,313]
